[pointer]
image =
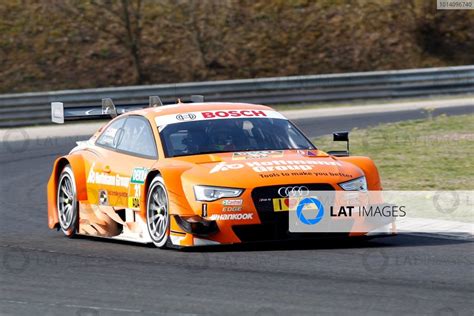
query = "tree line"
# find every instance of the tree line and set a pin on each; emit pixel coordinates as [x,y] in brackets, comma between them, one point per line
[68,44]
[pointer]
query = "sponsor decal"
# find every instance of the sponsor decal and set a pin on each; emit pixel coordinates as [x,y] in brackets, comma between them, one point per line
[232,217]
[186,117]
[257,154]
[139,175]
[293,191]
[275,165]
[232,202]
[117,180]
[109,135]
[118,194]
[222,166]
[163,120]
[281,204]
[232,209]
[234,113]
[110,132]
[134,194]
[117,198]
[103,199]
[288,165]
[310,153]
[284,204]
[133,202]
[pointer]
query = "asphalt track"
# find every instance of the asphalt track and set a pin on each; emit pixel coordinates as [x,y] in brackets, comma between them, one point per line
[44,273]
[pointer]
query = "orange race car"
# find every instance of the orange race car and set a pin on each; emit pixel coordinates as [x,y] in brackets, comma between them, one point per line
[193,174]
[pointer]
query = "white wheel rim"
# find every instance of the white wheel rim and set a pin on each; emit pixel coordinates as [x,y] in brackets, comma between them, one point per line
[158,213]
[66,201]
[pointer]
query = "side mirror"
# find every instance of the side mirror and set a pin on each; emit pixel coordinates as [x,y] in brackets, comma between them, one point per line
[340,137]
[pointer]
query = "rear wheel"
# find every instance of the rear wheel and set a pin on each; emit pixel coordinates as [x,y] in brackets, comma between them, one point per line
[67,203]
[158,213]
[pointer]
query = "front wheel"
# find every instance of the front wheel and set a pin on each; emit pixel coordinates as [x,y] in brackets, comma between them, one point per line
[67,204]
[158,213]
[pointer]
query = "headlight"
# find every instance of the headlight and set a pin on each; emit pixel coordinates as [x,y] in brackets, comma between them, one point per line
[208,193]
[359,184]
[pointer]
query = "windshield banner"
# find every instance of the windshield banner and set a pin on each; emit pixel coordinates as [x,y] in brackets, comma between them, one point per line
[216,115]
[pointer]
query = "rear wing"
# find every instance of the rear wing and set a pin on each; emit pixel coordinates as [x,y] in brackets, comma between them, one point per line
[59,113]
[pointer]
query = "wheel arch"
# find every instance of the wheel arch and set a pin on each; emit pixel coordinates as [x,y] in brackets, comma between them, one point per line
[143,199]
[77,165]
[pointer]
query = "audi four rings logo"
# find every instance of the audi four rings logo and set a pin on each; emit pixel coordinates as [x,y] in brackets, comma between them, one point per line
[186,117]
[296,191]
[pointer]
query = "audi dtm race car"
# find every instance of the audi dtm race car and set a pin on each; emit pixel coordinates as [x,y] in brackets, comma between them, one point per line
[193,174]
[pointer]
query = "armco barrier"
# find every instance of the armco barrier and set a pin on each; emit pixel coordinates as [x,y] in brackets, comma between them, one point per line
[34,108]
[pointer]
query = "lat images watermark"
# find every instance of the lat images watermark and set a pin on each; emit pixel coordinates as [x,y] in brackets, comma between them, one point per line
[380,260]
[455,4]
[383,212]
[17,260]
[17,141]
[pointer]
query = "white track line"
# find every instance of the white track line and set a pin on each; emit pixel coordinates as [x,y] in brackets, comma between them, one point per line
[383,108]
[436,228]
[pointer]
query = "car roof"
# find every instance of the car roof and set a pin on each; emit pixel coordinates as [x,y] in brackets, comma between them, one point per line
[178,108]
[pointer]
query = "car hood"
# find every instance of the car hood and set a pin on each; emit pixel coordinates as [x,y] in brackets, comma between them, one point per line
[263,168]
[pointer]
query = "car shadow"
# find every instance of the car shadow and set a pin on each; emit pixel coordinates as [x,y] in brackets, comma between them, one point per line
[400,240]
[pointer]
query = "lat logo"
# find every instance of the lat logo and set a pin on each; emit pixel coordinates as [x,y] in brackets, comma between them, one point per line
[222,166]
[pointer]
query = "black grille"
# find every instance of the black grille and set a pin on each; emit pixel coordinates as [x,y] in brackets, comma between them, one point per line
[274,224]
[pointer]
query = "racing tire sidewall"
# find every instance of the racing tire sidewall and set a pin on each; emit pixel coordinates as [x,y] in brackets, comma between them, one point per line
[164,241]
[71,229]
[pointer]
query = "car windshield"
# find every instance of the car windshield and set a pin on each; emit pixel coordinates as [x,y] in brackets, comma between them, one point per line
[231,135]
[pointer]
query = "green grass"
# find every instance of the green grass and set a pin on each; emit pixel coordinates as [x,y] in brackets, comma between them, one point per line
[428,154]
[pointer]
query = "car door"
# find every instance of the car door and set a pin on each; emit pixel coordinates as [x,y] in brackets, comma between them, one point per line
[128,151]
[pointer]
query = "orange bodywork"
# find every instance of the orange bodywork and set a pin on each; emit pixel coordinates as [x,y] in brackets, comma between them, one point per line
[123,216]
